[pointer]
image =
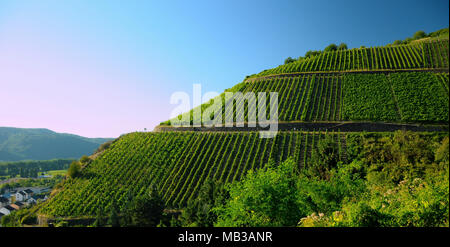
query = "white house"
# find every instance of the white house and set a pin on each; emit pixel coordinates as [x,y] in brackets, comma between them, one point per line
[6,210]
[21,196]
[24,195]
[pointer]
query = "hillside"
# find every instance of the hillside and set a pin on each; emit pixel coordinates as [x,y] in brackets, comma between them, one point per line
[404,84]
[43,144]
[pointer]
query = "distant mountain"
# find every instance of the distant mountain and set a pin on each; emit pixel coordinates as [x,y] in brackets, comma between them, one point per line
[43,144]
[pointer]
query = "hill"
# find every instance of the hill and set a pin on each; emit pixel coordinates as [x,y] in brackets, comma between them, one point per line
[43,144]
[403,84]
[393,84]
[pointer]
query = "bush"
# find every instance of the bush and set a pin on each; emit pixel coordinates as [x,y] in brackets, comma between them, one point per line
[85,160]
[74,169]
[419,35]
[266,197]
[147,210]
[312,53]
[331,47]
[289,60]
[342,46]
[104,146]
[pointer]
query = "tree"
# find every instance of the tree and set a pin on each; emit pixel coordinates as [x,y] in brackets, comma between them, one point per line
[199,211]
[324,158]
[74,169]
[267,197]
[99,220]
[342,46]
[312,53]
[289,60]
[85,159]
[397,42]
[419,35]
[331,47]
[147,210]
[113,216]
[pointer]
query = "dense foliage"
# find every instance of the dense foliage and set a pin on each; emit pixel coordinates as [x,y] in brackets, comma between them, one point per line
[31,169]
[177,163]
[400,179]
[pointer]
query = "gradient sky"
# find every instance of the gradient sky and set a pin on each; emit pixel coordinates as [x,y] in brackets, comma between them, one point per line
[104,68]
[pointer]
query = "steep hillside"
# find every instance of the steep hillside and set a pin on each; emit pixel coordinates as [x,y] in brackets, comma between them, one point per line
[421,56]
[178,163]
[43,144]
[411,97]
[393,84]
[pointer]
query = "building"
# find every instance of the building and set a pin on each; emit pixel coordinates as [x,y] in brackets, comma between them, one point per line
[24,195]
[29,192]
[32,200]
[17,205]
[7,210]
[21,196]
[3,201]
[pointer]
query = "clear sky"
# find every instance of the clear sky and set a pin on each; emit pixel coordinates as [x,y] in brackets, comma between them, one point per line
[104,68]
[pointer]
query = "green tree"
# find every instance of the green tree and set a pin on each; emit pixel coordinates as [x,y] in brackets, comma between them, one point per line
[85,159]
[74,169]
[342,46]
[266,197]
[312,53]
[419,35]
[331,47]
[289,60]
[100,218]
[324,158]
[199,211]
[147,210]
[113,219]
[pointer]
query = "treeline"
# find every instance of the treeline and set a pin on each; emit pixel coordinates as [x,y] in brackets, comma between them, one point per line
[30,169]
[311,53]
[422,35]
[343,46]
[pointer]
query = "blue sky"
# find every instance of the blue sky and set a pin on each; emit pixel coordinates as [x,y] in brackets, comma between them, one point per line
[104,68]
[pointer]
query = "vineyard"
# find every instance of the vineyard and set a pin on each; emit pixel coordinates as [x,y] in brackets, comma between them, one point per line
[178,163]
[423,55]
[391,97]
[359,86]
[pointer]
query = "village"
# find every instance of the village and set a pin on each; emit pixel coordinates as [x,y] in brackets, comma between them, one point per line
[18,198]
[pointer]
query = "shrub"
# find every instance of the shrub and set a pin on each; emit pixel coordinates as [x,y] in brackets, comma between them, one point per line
[342,46]
[289,60]
[331,47]
[74,169]
[419,35]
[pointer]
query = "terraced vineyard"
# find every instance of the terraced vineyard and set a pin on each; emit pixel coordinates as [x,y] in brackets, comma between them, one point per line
[391,97]
[402,57]
[360,85]
[178,163]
